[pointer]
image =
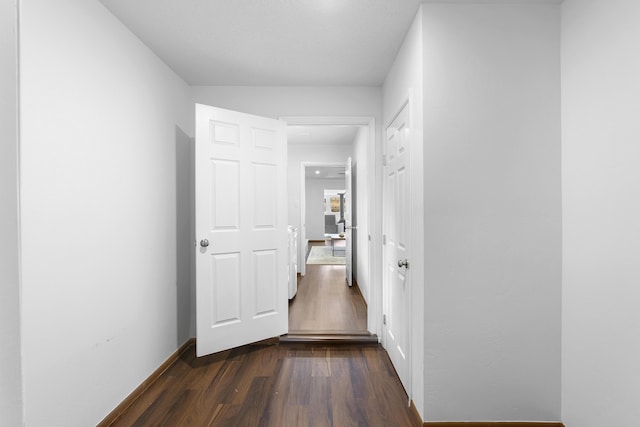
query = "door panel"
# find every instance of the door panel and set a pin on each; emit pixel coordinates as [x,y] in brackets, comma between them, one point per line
[397,232]
[225,183]
[225,288]
[241,258]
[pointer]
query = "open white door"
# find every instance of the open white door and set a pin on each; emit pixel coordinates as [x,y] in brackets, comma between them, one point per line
[304,244]
[348,224]
[396,240]
[241,229]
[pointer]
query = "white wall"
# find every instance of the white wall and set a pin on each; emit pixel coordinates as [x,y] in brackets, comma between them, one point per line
[276,101]
[492,211]
[99,120]
[403,84]
[601,211]
[314,198]
[10,366]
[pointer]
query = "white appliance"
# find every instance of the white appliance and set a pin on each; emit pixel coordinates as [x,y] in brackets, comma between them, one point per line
[293,261]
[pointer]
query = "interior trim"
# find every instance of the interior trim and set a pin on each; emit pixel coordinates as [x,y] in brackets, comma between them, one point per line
[330,338]
[415,415]
[357,288]
[492,424]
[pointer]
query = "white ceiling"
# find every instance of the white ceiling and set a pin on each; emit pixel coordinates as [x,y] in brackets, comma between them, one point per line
[325,172]
[272,42]
[275,42]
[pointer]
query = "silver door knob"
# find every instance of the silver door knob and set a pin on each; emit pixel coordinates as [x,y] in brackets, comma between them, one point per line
[204,243]
[403,263]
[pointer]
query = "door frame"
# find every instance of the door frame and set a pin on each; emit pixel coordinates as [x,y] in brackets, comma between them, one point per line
[373,208]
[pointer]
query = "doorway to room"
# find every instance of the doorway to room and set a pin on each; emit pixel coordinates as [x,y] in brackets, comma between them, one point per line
[324,303]
[328,298]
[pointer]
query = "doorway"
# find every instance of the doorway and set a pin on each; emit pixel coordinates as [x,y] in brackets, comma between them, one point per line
[322,202]
[328,299]
[347,311]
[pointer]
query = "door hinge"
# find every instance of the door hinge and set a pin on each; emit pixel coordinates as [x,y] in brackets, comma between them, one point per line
[384,239]
[384,160]
[384,319]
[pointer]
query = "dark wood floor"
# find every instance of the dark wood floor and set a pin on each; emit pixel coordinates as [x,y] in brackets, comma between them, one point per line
[324,302]
[278,385]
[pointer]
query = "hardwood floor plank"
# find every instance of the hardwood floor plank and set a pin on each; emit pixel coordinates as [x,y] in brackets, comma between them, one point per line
[320,364]
[258,397]
[225,417]
[178,410]
[320,412]
[299,392]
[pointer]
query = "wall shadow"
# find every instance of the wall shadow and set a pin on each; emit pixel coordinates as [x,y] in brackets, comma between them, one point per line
[185,236]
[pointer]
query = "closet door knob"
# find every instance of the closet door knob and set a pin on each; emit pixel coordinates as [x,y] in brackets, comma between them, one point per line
[204,243]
